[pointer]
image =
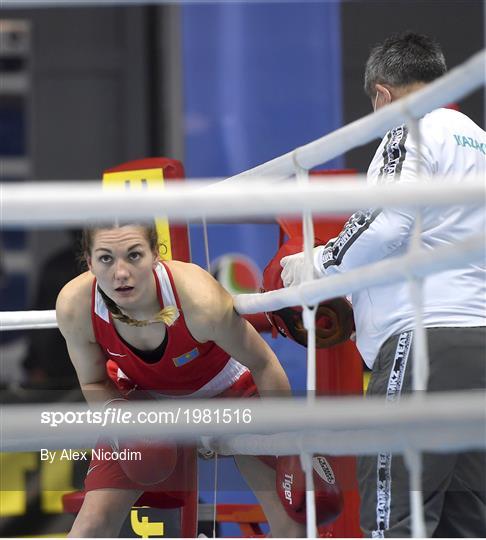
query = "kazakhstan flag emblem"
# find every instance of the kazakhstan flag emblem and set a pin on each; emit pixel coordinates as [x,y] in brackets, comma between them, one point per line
[185,358]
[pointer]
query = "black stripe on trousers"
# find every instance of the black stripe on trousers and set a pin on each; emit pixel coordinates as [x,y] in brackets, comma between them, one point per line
[384,460]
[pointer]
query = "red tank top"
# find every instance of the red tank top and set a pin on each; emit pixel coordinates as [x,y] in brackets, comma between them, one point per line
[186,368]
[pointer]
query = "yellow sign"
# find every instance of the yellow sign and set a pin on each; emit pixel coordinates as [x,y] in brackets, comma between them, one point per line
[55,481]
[145,528]
[13,470]
[138,180]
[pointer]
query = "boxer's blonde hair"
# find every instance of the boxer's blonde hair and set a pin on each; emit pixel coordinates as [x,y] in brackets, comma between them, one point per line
[168,314]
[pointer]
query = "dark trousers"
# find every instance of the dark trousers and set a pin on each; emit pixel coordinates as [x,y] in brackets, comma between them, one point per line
[453,484]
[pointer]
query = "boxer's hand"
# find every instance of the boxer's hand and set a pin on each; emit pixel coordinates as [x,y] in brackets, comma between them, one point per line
[290,485]
[145,460]
[148,461]
[293,267]
[329,496]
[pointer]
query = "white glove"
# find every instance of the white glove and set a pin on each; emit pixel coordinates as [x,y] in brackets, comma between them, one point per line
[293,267]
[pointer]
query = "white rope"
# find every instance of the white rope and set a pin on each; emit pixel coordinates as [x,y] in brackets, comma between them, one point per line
[215,493]
[448,421]
[206,244]
[310,502]
[27,320]
[309,312]
[452,86]
[420,372]
[30,204]
[302,177]
[413,460]
[309,321]
[419,264]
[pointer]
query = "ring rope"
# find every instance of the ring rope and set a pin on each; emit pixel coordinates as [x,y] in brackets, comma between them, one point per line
[49,204]
[418,263]
[454,85]
[338,425]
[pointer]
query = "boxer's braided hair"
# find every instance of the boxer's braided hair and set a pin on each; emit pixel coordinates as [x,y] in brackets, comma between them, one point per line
[167,315]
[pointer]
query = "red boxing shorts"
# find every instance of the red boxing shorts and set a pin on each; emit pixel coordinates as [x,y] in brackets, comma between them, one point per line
[107,473]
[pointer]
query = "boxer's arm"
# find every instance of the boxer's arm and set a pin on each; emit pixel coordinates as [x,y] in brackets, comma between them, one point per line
[157,459]
[210,316]
[239,339]
[74,320]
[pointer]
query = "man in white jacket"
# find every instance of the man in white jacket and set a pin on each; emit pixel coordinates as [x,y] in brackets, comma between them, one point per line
[452,149]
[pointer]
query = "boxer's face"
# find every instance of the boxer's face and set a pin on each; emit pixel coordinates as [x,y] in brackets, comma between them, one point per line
[122,261]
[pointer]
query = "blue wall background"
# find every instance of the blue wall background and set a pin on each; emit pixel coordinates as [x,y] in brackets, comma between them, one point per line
[259,80]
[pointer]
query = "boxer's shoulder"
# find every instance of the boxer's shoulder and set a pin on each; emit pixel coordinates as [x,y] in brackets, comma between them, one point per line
[73,305]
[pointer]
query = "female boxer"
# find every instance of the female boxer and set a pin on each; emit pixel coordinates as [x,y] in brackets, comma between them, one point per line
[168,329]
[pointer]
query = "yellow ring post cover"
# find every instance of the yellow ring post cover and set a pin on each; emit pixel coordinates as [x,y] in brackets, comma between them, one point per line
[143,179]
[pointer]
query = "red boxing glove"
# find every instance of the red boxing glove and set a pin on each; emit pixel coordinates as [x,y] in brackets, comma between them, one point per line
[334,318]
[291,489]
[145,460]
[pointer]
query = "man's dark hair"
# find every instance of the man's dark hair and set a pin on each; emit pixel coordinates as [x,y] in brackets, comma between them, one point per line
[404,59]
